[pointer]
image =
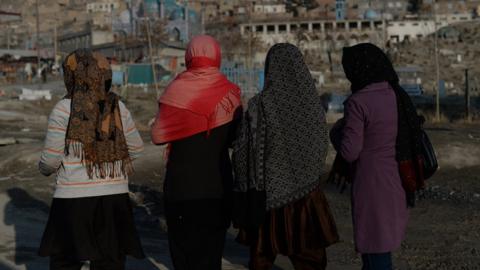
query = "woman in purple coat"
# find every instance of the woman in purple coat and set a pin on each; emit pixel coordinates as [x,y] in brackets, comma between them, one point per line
[366,138]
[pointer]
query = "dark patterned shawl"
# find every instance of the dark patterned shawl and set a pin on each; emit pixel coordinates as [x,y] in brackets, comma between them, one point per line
[283,143]
[95,132]
[365,64]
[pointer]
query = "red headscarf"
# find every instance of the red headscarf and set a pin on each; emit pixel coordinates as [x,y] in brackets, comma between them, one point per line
[199,99]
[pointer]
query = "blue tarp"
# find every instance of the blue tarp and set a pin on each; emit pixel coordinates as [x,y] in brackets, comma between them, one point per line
[117,77]
[143,74]
[140,74]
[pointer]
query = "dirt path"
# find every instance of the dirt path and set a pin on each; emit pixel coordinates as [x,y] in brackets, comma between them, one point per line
[443,232]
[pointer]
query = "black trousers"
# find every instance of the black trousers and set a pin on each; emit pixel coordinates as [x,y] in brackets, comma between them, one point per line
[65,263]
[377,261]
[196,234]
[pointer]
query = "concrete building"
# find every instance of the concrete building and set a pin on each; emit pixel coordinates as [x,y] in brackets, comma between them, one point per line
[455,17]
[316,33]
[399,31]
[340,7]
[84,39]
[10,21]
[270,8]
[386,9]
[105,6]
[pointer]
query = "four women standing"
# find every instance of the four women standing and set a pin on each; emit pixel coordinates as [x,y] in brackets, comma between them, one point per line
[279,152]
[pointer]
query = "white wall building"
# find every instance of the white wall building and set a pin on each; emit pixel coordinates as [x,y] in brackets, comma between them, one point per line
[103,6]
[455,18]
[399,31]
[270,8]
[316,33]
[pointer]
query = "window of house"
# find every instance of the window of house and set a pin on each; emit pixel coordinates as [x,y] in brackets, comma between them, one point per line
[259,28]
[271,28]
[341,25]
[316,27]
[304,26]
[328,26]
[293,27]
[282,28]
[353,25]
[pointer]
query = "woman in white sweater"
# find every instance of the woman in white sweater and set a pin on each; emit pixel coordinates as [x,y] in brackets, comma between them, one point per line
[90,144]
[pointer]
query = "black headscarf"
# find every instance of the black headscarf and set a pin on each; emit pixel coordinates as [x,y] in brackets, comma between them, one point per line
[283,144]
[365,64]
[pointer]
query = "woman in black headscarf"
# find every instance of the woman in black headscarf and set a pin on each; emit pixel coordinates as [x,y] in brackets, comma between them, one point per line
[378,138]
[279,159]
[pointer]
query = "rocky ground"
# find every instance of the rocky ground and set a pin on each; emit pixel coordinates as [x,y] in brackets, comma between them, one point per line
[443,232]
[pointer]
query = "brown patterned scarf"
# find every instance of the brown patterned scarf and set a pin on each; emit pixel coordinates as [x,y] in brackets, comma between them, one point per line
[95,132]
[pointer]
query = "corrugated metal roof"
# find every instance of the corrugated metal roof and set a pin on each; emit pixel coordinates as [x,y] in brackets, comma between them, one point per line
[18,53]
[44,53]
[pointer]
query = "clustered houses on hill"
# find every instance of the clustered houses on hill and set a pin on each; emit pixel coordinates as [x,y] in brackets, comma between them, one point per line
[118,27]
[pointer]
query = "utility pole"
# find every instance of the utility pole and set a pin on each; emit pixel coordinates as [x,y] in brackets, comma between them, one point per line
[38,34]
[150,50]
[203,16]
[8,36]
[130,12]
[187,26]
[250,47]
[437,65]
[55,44]
[162,9]
[467,97]
[384,21]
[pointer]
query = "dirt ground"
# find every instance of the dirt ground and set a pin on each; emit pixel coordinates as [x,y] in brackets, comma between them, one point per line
[443,232]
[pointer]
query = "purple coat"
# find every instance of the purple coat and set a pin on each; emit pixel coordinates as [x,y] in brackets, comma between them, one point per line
[367,141]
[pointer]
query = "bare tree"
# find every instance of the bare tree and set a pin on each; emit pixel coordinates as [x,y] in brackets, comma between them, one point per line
[158,30]
[414,6]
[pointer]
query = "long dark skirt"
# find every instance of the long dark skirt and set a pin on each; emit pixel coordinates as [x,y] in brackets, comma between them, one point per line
[196,233]
[91,228]
[303,226]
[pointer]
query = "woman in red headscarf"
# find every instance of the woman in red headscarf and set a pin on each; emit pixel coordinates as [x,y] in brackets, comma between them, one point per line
[197,118]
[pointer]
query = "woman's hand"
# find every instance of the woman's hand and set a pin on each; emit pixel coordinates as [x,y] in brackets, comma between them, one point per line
[340,174]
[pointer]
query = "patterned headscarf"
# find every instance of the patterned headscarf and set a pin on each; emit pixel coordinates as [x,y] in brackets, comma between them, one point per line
[284,134]
[95,132]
